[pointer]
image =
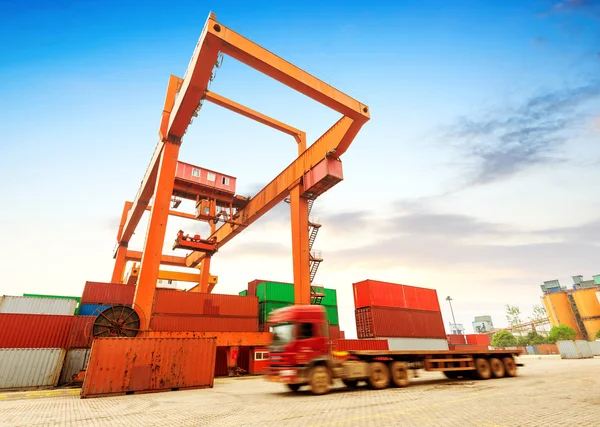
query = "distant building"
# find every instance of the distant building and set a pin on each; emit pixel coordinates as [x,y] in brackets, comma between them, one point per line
[482,324]
[457,329]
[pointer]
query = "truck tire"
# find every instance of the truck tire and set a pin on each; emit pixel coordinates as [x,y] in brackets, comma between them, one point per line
[483,371]
[294,387]
[510,366]
[379,375]
[320,380]
[498,370]
[399,372]
[350,383]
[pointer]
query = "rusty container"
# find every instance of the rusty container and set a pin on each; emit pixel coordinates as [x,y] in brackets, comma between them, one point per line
[478,339]
[168,301]
[455,339]
[373,322]
[344,345]
[124,365]
[373,293]
[190,323]
[34,330]
[107,293]
[81,332]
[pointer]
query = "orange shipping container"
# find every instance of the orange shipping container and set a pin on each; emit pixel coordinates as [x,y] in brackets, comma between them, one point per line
[188,323]
[168,301]
[121,365]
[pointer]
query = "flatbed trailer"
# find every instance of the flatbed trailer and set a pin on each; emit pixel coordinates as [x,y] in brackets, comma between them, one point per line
[299,356]
[387,368]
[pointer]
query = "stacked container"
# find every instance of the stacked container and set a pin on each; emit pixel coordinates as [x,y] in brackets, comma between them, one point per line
[176,311]
[34,338]
[399,313]
[273,295]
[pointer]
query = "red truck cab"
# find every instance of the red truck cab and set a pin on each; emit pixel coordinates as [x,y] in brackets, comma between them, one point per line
[299,342]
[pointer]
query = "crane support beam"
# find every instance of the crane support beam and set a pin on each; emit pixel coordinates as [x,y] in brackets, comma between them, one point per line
[176,213]
[179,276]
[170,260]
[298,135]
[217,38]
[278,189]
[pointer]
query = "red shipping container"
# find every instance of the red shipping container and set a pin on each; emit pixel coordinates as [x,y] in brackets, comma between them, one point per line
[456,339]
[547,349]
[342,335]
[81,332]
[188,323]
[121,365]
[344,345]
[107,293]
[34,330]
[478,339]
[167,301]
[468,347]
[371,293]
[373,322]
[334,332]
[252,286]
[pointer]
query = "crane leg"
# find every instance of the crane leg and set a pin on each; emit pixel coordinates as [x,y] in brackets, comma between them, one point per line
[119,270]
[155,236]
[204,274]
[300,251]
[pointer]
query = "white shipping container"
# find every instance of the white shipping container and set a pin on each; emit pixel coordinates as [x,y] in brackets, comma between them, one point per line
[75,361]
[568,350]
[33,305]
[417,344]
[30,367]
[584,349]
[595,347]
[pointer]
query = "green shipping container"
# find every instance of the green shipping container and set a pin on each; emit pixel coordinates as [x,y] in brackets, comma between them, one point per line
[244,293]
[58,297]
[265,308]
[332,315]
[274,291]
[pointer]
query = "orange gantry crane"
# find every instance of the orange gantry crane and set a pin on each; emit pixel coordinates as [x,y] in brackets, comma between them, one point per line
[316,169]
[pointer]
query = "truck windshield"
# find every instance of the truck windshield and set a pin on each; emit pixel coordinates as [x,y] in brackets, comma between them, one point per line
[282,334]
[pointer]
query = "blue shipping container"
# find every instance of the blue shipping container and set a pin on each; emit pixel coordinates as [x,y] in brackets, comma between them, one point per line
[91,309]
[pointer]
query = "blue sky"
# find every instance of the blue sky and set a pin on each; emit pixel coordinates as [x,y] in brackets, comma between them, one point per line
[477,174]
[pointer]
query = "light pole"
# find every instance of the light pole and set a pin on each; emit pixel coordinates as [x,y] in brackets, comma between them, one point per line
[452,311]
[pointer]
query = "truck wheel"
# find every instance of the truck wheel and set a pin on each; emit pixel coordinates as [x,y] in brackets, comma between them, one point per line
[379,375]
[320,380]
[510,366]
[497,366]
[294,387]
[399,374]
[350,383]
[483,369]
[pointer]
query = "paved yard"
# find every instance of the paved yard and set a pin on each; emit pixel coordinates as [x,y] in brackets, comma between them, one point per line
[548,391]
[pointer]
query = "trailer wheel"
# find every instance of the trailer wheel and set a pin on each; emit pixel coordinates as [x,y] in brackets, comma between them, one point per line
[483,371]
[510,366]
[379,375]
[320,380]
[294,387]
[497,367]
[350,383]
[399,374]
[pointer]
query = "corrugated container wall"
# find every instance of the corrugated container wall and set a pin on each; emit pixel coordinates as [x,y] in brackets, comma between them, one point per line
[107,293]
[78,299]
[120,365]
[456,339]
[568,350]
[75,362]
[33,305]
[584,349]
[478,339]
[345,345]
[34,330]
[92,309]
[373,322]
[183,323]
[414,344]
[595,347]
[175,302]
[265,309]
[275,291]
[21,368]
[371,293]
[81,331]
